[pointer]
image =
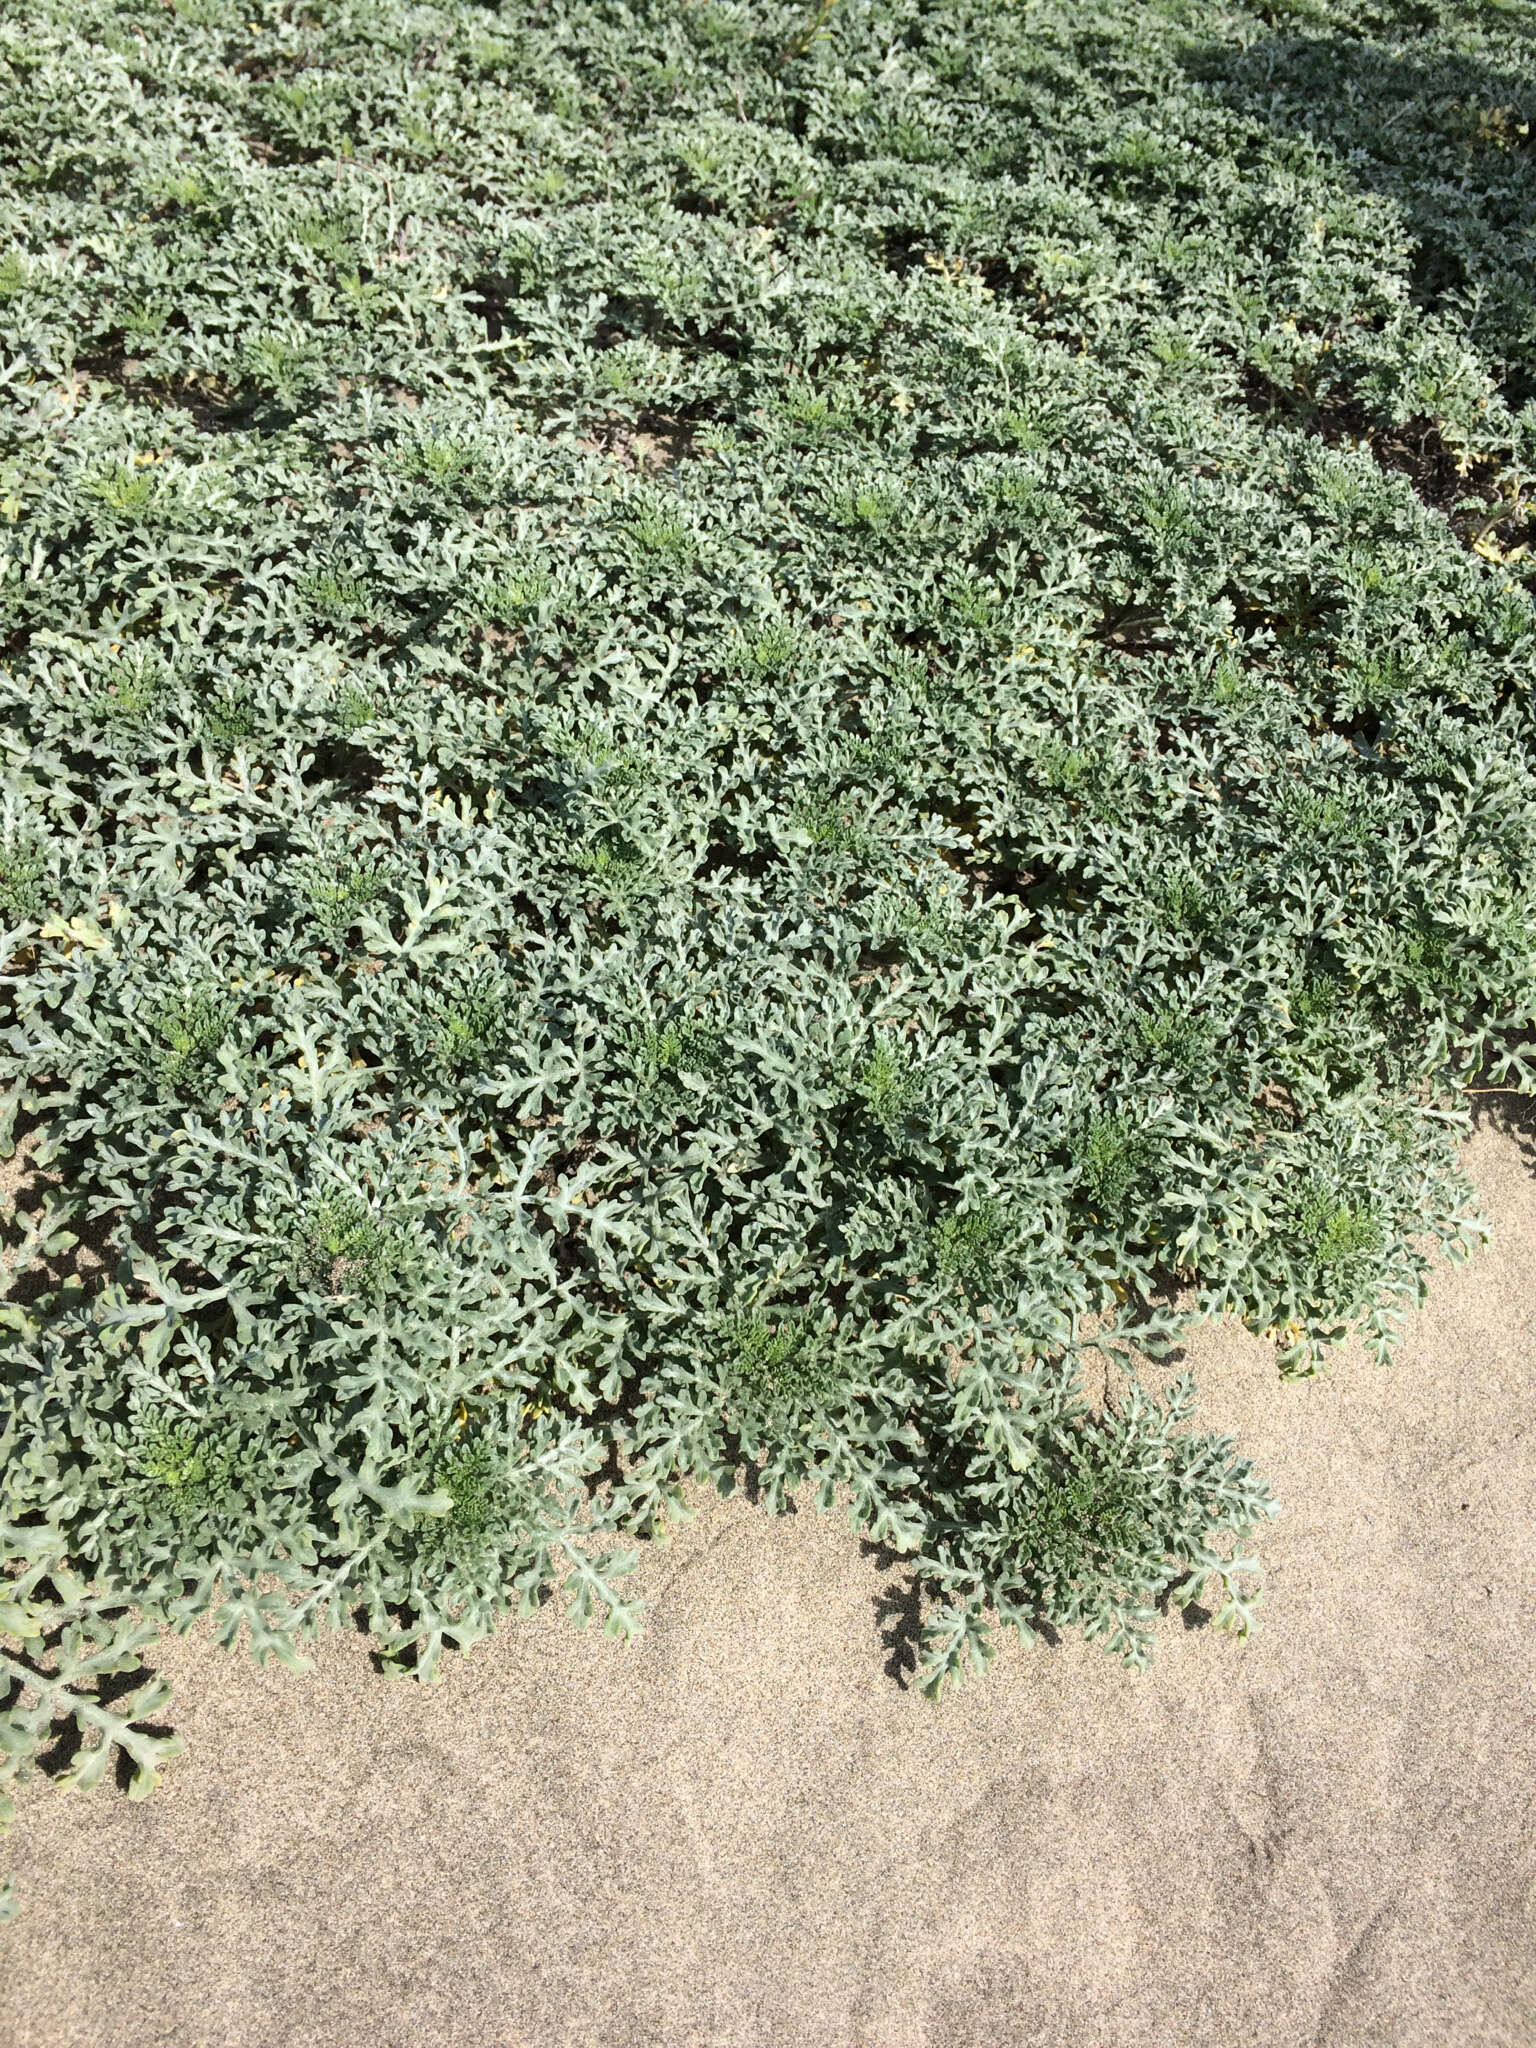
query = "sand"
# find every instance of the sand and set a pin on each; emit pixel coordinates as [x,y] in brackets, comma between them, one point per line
[745,1829]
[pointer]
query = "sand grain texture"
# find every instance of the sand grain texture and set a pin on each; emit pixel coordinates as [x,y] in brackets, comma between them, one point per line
[743,1830]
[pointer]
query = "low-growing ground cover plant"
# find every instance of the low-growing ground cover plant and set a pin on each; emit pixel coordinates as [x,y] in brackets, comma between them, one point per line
[723,723]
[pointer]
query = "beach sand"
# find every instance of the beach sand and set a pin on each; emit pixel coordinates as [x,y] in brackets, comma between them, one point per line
[744,1829]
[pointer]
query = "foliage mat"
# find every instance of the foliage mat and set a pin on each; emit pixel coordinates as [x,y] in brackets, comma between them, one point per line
[723,727]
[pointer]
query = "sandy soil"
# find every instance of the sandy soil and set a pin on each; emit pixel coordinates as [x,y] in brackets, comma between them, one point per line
[744,1830]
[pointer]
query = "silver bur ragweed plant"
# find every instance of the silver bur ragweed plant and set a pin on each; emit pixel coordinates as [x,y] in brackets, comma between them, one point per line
[721,728]
[340,1247]
[189,1030]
